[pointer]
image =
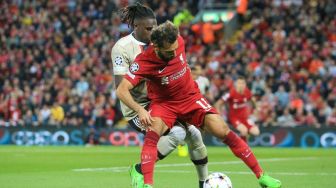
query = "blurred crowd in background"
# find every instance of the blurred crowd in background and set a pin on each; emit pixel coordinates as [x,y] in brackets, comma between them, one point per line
[55,66]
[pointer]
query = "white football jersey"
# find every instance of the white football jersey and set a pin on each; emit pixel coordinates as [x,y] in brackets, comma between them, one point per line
[203,83]
[123,54]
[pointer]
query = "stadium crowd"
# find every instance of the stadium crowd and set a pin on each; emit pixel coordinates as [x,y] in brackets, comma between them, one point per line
[288,56]
[55,65]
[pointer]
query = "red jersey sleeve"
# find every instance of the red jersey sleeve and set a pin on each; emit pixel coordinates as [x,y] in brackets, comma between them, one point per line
[248,94]
[134,74]
[134,79]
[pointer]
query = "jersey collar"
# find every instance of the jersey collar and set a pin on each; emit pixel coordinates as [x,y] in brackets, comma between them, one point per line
[136,41]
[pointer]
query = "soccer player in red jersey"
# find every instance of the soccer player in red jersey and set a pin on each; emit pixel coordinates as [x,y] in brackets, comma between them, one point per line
[239,110]
[142,20]
[175,95]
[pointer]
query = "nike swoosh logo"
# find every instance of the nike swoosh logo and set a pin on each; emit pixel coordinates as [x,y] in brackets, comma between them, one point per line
[146,162]
[248,155]
[160,71]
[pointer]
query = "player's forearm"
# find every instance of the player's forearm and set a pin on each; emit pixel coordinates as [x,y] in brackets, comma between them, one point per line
[124,94]
[128,100]
[218,105]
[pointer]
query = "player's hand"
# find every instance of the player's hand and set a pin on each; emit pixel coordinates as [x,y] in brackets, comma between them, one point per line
[145,118]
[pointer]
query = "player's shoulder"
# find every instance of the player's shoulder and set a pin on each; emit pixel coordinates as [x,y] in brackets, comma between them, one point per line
[232,90]
[204,80]
[139,64]
[180,39]
[121,44]
[248,91]
[143,62]
[234,93]
[140,68]
[126,41]
[146,56]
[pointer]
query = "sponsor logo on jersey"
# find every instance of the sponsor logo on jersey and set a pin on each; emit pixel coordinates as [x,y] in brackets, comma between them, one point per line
[164,80]
[239,105]
[178,74]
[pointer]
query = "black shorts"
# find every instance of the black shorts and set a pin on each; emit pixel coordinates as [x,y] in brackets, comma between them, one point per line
[135,124]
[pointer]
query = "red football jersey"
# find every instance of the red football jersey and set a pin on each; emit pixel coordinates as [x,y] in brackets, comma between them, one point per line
[239,103]
[165,80]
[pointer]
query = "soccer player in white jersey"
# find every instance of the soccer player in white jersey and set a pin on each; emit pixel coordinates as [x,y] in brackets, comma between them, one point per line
[142,20]
[202,81]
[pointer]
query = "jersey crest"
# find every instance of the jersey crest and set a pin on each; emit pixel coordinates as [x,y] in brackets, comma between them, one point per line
[165,80]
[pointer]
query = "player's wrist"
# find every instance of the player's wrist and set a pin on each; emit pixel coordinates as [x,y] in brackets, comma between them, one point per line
[138,109]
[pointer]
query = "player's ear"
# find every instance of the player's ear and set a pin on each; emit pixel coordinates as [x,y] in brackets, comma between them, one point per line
[156,48]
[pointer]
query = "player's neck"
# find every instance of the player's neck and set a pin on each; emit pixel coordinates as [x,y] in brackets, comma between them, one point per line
[240,91]
[137,38]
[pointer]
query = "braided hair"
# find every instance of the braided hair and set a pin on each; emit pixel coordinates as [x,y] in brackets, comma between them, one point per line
[137,11]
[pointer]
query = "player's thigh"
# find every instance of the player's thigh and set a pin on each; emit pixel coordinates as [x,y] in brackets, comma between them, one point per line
[254,130]
[158,126]
[195,110]
[178,132]
[163,113]
[193,132]
[242,129]
[239,125]
[194,137]
[216,126]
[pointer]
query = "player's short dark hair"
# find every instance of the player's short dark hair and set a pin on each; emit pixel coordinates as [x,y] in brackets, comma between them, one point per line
[136,11]
[241,77]
[194,65]
[164,33]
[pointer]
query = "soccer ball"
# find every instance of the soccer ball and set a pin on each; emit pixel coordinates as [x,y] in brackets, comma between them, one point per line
[217,180]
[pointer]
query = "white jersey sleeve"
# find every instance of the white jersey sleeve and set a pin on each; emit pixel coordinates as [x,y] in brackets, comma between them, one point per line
[120,60]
